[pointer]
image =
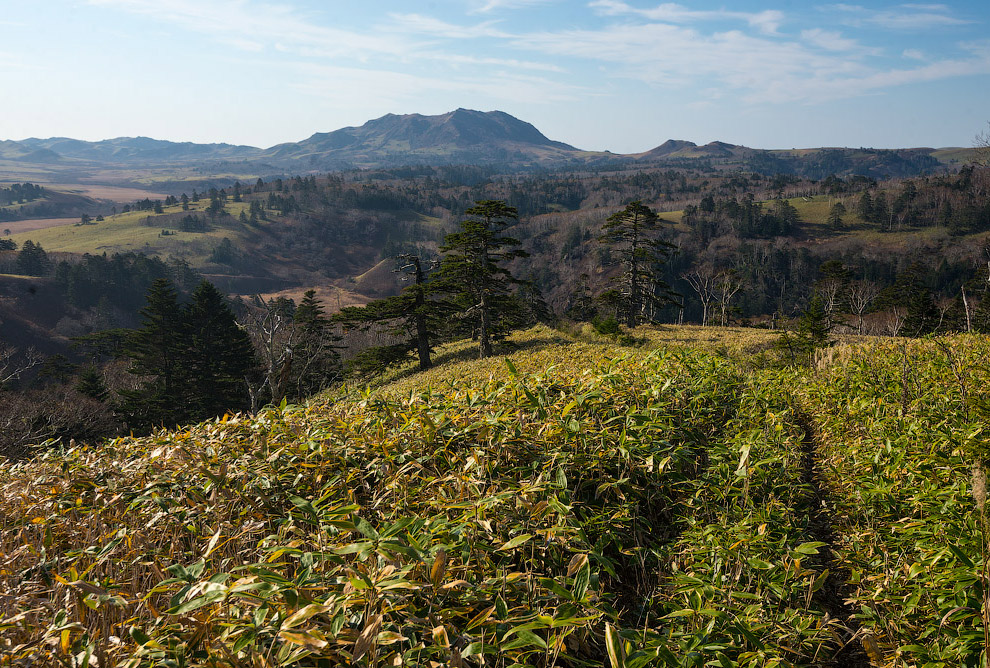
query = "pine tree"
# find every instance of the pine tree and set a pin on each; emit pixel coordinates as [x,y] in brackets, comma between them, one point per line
[922,313]
[218,355]
[472,268]
[865,207]
[642,257]
[835,214]
[32,260]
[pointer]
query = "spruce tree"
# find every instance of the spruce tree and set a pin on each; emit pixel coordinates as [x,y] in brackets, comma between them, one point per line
[91,384]
[157,351]
[218,355]
[315,360]
[631,231]
[473,268]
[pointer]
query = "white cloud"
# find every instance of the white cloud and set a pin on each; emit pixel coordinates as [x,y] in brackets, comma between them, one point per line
[417,23]
[914,54]
[767,21]
[390,90]
[901,17]
[758,69]
[829,40]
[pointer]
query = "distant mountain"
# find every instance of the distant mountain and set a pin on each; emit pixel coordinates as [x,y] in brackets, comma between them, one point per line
[462,136]
[140,150]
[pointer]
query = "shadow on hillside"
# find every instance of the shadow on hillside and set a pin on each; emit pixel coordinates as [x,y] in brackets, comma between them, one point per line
[503,348]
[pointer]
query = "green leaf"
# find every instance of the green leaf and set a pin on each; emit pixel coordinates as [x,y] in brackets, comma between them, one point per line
[365,528]
[581,580]
[809,548]
[515,542]
[613,645]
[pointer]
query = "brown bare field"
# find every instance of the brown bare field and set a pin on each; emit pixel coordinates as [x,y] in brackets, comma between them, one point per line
[332,297]
[18,226]
[114,193]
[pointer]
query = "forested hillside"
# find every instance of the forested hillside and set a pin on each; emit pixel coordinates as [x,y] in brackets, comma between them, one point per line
[841,255]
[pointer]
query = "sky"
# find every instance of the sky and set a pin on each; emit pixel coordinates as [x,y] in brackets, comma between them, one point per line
[618,75]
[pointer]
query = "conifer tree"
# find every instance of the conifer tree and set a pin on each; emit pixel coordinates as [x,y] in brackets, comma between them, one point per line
[218,355]
[156,351]
[472,268]
[631,230]
[414,314]
[32,260]
[315,361]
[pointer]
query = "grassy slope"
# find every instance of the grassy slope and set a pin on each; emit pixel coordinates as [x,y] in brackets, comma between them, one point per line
[675,503]
[128,232]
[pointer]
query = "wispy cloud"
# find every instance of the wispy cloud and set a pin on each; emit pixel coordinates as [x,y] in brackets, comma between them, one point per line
[757,69]
[767,21]
[492,5]
[426,25]
[900,17]
[389,90]
[831,41]
[254,26]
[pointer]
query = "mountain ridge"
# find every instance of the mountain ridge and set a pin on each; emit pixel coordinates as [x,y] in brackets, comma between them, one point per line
[461,136]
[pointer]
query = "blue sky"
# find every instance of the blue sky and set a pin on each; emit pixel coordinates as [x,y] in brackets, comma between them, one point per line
[619,75]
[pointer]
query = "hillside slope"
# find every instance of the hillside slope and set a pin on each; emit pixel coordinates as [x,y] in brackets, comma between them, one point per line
[578,503]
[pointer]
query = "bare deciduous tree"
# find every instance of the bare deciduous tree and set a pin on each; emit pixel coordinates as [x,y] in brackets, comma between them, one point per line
[703,282]
[727,284]
[860,296]
[271,329]
[13,363]
[982,145]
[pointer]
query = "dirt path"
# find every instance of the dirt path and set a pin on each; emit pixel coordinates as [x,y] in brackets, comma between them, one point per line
[832,596]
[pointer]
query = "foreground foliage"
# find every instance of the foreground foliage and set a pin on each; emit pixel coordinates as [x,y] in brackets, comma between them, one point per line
[576,504]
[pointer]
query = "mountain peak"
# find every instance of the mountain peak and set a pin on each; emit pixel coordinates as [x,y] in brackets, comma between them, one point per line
[462,135]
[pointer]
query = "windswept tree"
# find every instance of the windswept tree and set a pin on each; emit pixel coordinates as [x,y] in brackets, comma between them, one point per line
[632,232]
[415,315]
[473,268]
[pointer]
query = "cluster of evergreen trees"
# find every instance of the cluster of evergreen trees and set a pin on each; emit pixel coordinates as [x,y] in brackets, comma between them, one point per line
[746,217]
[18,193]
[193,359]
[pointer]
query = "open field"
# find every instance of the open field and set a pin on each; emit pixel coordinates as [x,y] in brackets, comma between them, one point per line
[118,194]
[135,231]
[19,226]
[577,503]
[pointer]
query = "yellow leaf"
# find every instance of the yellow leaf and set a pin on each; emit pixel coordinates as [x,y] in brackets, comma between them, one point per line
[303,614]
[440,636]
[367,638]
[577,561]
[439,568]
[303,638]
